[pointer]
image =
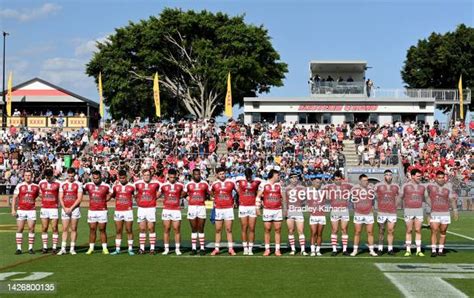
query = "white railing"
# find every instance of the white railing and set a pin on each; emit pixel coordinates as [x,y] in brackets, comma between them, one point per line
[438,94]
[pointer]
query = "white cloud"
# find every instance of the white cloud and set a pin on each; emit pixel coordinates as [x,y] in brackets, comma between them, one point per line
[29,14]
[87,47]
[63,64]
[20,69]
[67,72]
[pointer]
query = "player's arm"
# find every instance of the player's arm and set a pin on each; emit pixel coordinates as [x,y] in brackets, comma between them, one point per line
[284,202]
[109,194]
[14,199]
[258,201]
[78,201]
[61,198]
[454,205]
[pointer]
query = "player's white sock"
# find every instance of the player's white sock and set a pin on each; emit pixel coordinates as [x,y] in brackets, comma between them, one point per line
[380,247]
[418,245]
[31,240]
[318,248]
[91,246]
[230,245]
[73,244]
[390,247]
[152,240]
[19,240]
[44,238]
[356,248]
[433,248]
[408,245]
[371,248]
[345,239]
[130,244]
[277,247]
[250,246]
[63,245]
[302,242]
[55,240]
[104,245]
[244,245]
[118,242]
[216,246]
[177,245]
[167,247]
[267,246]
[194,240]
[291,239]
[334,242]
[201,241]
[440,248]
[313,248]
[142,239]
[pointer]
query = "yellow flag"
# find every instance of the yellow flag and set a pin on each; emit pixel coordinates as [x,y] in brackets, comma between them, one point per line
[461,99]
[9,95]
[156,95]
[101,98]
[228,99]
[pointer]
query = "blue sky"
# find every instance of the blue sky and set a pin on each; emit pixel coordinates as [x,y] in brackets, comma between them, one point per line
[54,40]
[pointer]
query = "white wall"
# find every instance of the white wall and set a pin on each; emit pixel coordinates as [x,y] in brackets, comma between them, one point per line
[385,119]
[291,118]
[337,118]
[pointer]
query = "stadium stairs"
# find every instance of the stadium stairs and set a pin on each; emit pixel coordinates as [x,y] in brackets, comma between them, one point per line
[350,154]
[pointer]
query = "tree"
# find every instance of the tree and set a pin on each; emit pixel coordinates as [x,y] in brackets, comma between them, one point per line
[192,52]
[437,62]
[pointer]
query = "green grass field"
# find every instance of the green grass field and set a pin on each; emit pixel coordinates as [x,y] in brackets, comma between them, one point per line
[123,275]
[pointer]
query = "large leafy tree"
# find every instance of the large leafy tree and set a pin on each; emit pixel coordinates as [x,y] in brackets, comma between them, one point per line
[439,60]
[192,52]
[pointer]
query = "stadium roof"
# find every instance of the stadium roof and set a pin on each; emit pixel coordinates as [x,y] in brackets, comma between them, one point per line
[325,66]
[38,90]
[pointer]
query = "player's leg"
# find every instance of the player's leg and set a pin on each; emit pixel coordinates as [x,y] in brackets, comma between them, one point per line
[370,238]
[194,234]
[151,234]
[314,236]
[103,237]
[290,223]
[74,225]
[92,236]
[443,228]
[381,237]
[267,230]
[177,235]
[142,227]
[202,240]
[44,233]
[357,231]
[31,235]
[319,238]
[54,226]
[409,228]
[418,225]
[65,222]
[244,226]
[334,230]
[301,236]
[277,227]
[20,225]
[228,230]
[129,229]
[434,226]
[217,239]
[345,236]
[166,235]
[390,236]
[118,236]
[251,239]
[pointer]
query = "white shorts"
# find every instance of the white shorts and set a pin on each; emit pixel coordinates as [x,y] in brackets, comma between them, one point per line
[51,213]
[250,211]
[338,216]
[26,215]
[296,216]
[174,215]
[224,214]
[384,217]
[99,216]
[413,214]
[75,214]
[196,211]
[317,220]
[363,219]
[439,218]
[148,214]
[272,214]
[126,215]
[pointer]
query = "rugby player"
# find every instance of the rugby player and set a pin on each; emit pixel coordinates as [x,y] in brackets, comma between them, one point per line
[49,191]
[294,213]
[316,203]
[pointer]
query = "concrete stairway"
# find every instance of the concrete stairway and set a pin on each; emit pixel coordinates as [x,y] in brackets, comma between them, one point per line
[350,153]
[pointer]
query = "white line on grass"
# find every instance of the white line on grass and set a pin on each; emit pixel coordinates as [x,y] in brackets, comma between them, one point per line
[287,257]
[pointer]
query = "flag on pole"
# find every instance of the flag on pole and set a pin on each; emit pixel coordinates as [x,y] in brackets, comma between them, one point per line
[228,99]
[156,95]
[9,95]
[461,99]
[101,99]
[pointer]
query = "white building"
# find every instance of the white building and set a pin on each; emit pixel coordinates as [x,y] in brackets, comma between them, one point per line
[339,93]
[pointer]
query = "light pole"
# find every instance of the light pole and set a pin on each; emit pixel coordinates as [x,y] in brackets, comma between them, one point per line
[4,108]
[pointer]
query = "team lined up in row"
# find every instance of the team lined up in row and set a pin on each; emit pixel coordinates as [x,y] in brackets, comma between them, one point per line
[278,202]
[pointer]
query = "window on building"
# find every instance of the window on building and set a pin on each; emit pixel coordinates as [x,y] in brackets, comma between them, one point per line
[314,118]
[373,118]
[256,105]
[396,118]
[256,117]
[421,118]
[280,117]
[326,118]
[349,118]
[268,117]
[303,118]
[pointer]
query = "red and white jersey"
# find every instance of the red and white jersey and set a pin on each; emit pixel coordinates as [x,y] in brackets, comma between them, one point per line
[123,195]
[413,195]
[172,193]
[293,199]
[271,195]
[70,191]
[316,202]
[27,194]
[222,193]
[439,196]
[387,197]
[197,192]
[363,199]
[97,195]
[247,190]
[339,195]
[146,193]
[49,193]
